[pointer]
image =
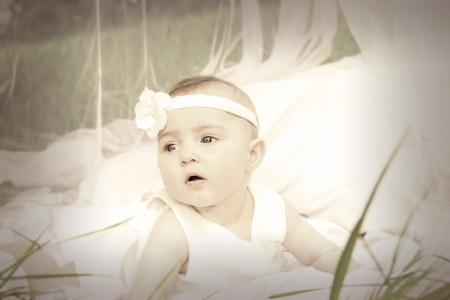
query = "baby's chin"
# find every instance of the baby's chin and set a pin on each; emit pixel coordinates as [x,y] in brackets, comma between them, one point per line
[197,201]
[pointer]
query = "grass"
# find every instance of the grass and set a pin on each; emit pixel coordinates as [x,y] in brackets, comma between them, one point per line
[48,86]
[9,273]
[346,257]
[402,286]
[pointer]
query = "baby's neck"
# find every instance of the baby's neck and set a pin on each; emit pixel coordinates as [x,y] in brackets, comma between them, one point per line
[233,210]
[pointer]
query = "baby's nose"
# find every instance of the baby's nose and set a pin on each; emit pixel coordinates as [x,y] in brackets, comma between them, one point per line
[187,160]
[188,156]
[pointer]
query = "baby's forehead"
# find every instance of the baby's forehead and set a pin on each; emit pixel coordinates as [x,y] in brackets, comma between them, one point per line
[224,91]
[195,120]
[200,117]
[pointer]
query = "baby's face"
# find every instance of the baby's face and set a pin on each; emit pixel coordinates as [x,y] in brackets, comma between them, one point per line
[203,155]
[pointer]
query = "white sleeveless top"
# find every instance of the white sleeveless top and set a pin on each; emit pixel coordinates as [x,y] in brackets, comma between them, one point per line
[218,258]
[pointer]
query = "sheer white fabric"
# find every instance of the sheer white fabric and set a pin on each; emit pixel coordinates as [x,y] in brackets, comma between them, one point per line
[330,130]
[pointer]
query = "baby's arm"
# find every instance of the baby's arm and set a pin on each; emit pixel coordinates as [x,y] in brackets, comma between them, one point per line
[309,246]
[165,253]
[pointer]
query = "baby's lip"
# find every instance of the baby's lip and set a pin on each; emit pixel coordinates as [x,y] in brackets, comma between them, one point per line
[192,177]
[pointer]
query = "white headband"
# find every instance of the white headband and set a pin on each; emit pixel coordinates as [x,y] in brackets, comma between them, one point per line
[152,106]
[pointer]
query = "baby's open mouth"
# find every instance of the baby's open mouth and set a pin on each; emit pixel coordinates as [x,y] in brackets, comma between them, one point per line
[194,177]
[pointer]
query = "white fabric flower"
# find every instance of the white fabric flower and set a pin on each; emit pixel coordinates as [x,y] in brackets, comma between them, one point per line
[150,111]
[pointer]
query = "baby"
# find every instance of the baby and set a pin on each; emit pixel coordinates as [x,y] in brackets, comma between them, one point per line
[219,231]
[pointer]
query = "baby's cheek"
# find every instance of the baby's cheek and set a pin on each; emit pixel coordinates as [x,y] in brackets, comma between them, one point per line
[234,171]
[168,176]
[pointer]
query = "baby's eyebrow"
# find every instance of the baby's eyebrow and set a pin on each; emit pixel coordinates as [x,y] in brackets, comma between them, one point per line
[196,129]
[173,133]
[203,127]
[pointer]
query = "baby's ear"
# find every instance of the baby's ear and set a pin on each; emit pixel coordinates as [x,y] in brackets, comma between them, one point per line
[257,149]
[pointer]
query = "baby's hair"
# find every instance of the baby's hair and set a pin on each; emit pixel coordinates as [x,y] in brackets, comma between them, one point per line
[191,84]
[203,83]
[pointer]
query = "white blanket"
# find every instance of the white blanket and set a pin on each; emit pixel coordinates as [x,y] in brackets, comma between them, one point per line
[330,132]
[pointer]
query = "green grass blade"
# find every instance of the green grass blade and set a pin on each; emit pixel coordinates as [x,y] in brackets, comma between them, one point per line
[51,276]
[297,292]
[163,280]
[34,246]
[374,258]
[8,272]
[346,256]
[292,293]
[24,293]
[440,293]
[13,291]
[402,284]
[443,258]
[97,231]
[35,242]
[416,259]
[401,236]
[344,261]
[212,294]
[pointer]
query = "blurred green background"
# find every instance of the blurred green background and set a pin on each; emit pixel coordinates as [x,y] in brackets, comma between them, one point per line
[49,61]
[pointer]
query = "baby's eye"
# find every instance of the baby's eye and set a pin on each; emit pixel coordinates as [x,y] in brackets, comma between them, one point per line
[170,147]
[208,139]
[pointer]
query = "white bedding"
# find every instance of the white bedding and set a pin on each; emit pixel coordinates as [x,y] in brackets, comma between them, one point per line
[329,132]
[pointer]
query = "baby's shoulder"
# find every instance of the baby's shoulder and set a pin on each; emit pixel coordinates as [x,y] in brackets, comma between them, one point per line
[169,235]
[263,190]
[267,197]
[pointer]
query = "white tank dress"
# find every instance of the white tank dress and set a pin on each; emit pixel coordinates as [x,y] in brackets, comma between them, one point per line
[218,259]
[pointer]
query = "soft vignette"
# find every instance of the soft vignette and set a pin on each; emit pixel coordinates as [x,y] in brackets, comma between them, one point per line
[409,85]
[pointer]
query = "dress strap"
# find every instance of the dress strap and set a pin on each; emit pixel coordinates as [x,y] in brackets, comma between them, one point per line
[270,221]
